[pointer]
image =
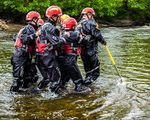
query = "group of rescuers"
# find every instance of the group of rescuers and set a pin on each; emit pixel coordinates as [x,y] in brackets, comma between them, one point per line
[53,47]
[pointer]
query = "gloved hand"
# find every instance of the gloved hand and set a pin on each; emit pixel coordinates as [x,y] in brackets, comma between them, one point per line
[103,42]
[85,39]
[35,35]
[66,34]
[63,40]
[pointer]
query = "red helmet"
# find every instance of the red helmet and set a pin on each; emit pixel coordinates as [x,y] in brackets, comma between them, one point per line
[32,14]
[69,23]
[88,10]
[40,22]
[53,10]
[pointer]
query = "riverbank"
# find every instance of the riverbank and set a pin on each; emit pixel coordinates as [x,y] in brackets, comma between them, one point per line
[12,27]
[121,23]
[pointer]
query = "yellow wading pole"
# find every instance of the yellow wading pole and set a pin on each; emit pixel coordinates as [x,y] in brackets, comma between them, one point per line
[113,61]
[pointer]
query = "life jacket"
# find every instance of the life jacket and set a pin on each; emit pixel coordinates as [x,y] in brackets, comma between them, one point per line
[18,43]
[31,48]
[40,47]
[78,50]
[70,49]
[30,45]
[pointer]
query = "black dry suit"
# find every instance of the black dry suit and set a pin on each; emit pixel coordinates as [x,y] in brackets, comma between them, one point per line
[23,69]
[68,61]
[89,48]
[47,44]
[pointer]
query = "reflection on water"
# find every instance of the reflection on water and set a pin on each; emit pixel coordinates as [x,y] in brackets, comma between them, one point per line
[110,99]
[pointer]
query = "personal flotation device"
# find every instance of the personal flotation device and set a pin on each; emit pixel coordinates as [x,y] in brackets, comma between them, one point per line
[18,43]
[31,48]
[40,47]
[70,49]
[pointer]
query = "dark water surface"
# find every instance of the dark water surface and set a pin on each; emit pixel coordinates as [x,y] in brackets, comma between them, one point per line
[109,100]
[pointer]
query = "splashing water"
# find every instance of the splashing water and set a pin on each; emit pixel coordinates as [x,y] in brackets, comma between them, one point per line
[117,94]
[135,112]
[49,95]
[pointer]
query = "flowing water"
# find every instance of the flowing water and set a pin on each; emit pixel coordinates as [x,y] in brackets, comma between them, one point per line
[110,98]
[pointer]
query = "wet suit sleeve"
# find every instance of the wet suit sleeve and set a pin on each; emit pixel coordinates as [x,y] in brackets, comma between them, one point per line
[25,36]
[53,36]
[14,37]
[72,37]
[97,34]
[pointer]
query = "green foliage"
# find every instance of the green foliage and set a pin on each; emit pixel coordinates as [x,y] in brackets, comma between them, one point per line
[103,8]
[141,6]
[71,7]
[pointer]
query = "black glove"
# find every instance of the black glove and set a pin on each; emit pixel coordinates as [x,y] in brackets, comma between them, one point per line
[88,38]
[62,39]
[85,39]
[103,42]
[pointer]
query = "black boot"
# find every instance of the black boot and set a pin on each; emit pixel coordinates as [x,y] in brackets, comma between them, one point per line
[26,83]
[35,79]
[54,86]
[29,81]
[79,87]
[17,83]
[89,80]
[43,83]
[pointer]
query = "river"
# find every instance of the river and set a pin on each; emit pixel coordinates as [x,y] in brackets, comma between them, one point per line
[110,99]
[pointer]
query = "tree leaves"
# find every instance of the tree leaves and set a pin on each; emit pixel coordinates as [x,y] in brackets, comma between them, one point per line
[74,7]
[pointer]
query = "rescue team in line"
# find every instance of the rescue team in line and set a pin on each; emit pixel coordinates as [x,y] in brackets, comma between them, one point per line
[53,47]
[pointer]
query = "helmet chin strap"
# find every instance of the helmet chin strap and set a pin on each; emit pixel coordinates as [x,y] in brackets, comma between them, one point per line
[35,25]
[81,17]
[91,17]
[87,16]
[54,21]
[35,22]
